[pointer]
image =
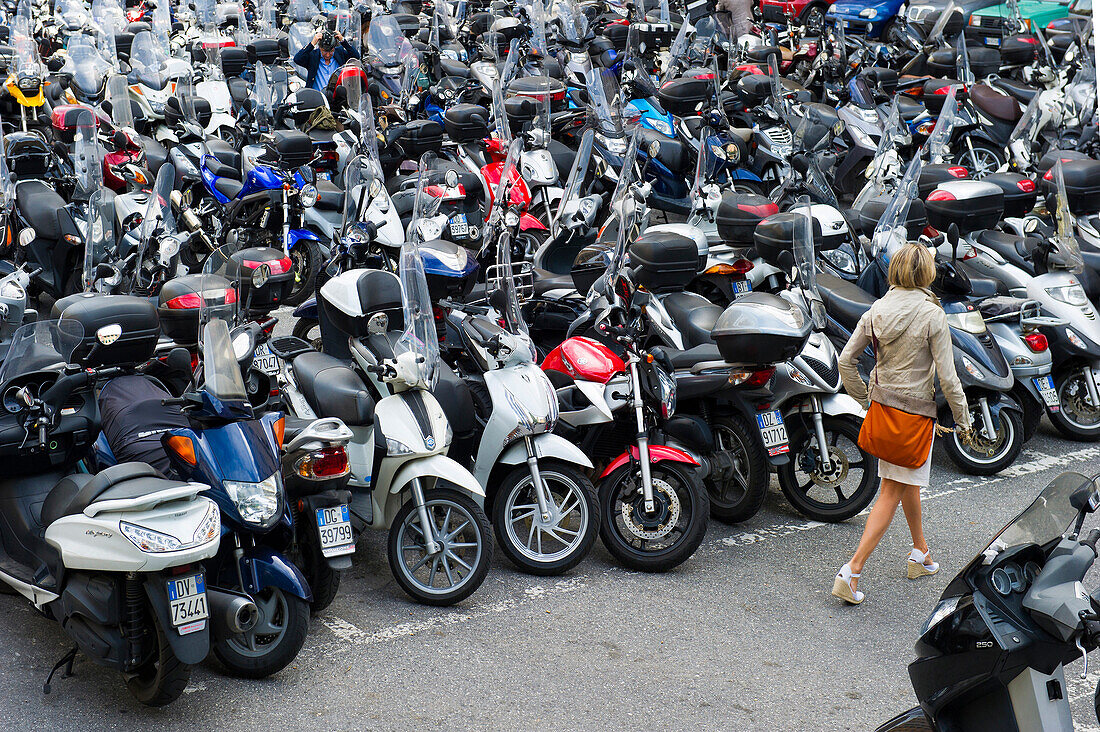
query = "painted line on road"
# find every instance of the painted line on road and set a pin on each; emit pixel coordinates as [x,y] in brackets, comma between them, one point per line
[1036,462]
[352,634]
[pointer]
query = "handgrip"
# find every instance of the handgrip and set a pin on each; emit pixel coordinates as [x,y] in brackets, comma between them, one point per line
[56,395]
[1091,538]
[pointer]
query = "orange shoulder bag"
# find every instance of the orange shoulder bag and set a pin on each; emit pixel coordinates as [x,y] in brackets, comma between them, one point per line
[895,435]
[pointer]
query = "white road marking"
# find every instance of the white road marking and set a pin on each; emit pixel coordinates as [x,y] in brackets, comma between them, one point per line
[349,633]
[1033,462]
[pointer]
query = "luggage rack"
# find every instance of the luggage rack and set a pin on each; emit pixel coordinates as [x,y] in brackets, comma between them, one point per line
[521,275]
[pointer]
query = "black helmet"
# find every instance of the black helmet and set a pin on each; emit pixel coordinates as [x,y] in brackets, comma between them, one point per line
[328,41]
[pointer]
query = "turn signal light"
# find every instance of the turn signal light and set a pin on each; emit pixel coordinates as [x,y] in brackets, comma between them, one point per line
[278,427]
[1037,342]
[183,448]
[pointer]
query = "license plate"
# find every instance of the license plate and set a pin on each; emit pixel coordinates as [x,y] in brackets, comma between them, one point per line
[993,41]
[334,527]
[773,431]
[459,227]
[265,360]
[187,603]
[741,287]
[1045,385]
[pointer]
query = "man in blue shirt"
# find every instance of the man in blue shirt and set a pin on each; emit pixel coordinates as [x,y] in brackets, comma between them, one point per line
[326,53]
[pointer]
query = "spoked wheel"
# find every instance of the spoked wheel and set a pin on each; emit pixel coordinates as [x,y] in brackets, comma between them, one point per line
[552,543]
[463,539]
[309,330]
[228,135]
[1077,417]
[990,453]
[828,493]
[306,261]
[273,642]
[814,21]
[658,540]
[738,480]
[983,160]
[162,678]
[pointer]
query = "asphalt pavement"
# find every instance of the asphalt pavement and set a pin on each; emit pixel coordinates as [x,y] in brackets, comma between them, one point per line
[744,636]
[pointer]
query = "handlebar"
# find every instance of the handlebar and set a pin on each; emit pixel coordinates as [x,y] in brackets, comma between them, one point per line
[1091,539]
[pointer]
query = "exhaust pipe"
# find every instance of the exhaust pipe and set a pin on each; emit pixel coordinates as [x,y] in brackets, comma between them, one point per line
[231,613]
[186,216]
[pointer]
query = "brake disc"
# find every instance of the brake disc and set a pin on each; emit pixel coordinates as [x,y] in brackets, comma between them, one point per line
[665,516]
[839,462]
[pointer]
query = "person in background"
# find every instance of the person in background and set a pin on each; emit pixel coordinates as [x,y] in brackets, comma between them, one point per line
[912,344]
[740,14]
[326,53]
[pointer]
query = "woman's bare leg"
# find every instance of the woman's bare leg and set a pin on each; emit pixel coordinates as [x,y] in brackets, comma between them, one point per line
[889,496]
[910,504]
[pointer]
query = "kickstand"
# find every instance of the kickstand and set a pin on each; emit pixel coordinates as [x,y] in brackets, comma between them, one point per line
[67,662]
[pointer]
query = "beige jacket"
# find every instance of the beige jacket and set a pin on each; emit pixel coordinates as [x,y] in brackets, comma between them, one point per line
[913,337]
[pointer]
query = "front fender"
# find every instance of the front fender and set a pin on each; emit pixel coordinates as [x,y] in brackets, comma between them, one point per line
[438,467]
[308,309]
[549,446]
[527,222]
[297,235]
[191,648]
[657,454]
[263,567]
[840,405]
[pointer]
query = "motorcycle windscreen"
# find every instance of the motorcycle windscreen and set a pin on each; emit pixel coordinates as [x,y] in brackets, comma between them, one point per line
[385,42]
[118,95]
[677,53]
[962,60]
[502,194]
[938,142]
[426,204]
[577,174]
[264,95]
[267,17]
[148,64]
[159,241]
[87,67]
[41,346]
[891,234]
[241,35]
[509,301]
[1025,128]
[205,14]
[418,347]
[362,186]
[936,34]
[221,371]
[805,262]
[162,24]
[1065,252]
[302,10]
[605,101]
[538,28]
[7,183]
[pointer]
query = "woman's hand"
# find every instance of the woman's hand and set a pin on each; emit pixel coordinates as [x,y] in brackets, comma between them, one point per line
[941,430]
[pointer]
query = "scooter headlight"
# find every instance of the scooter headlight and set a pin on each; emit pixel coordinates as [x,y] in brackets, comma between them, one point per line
[308,196]
[396,447]
[941,611]
[971,369]
[149,541]
[1069,294]
[841,259]
[718,151]
[257,503]
[970,321]
[210,527]
[662,126]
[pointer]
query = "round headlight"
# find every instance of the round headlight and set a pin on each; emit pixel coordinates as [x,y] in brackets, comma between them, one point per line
[732,153]
[451,178]
[308,195]
[511,219]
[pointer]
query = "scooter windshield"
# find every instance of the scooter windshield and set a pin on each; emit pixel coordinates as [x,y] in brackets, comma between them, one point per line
[1065,253]
[158,228]
[87,153]
[962,61]
[418,346]
[803,249]
[27,62]
[386,43]
[861,93]
[39,346]
[108,16]
[936,33]
[1048,517]
[87,67]
[605,99]
[148,64]
[890,234]
[72,13]
[118,95]
[937,144]
[577,173]
[221,373]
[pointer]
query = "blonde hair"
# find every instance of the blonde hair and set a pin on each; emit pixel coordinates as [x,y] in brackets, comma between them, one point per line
[912,266]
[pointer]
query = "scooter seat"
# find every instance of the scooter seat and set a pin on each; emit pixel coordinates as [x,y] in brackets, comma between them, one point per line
[909,108]
[994,103]
[78,491]
[238,89]
[228,187]
[1015,249]
[41,207]
[1017,89]
[451,67]
[705,353]
[225,154]
[547,282]
[332,389]
[329,196]
[843,300]
[693,315]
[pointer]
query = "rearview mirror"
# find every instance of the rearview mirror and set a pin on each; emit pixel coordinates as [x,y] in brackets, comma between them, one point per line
[1086,499]
[26,236]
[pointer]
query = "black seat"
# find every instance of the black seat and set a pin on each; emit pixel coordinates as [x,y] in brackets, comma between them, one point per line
[228,187]
[126,480]
[238,89]
[705,353]
[909,108]
[671,153]
[329,196]
[1015,249]
[220,168]
[994,103]
[451,67]
[546,282]
[41,207]
[693,315]
[225,154]
[843,300]
[333,389]
[1017,89]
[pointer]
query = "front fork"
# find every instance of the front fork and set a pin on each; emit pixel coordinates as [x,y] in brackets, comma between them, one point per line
[987,418]
[1089,375]
[541,494]
[431,546]
[643,434]
[286,219]
[819,434]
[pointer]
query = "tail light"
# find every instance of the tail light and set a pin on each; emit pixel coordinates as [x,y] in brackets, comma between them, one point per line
[192,300]
[940,195]
[1037,342]
[277,266]
[958,171]
[764,210]
[330,462]
[759,378]
[1027,185]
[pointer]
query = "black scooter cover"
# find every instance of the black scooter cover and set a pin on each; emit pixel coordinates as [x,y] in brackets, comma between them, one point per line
[134,419]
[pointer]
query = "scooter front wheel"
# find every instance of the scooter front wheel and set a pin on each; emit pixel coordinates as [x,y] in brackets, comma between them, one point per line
[557,542]
[657,540]
[1077,418]
[464,548]
[991,453]
[836,494]
[275,640]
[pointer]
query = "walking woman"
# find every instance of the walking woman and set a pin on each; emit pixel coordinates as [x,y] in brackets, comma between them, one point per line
[908,330]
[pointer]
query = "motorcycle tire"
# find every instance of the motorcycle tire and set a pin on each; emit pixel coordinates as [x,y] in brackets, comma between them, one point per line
[802,438]
[306,262]
[285,614]
[162,679]
[1033,411]
[1064,420]
[324,581]
[570,489]
[302,330]
[742,497]
[620,539]
[983,160]
[1012,423]
[445,499]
